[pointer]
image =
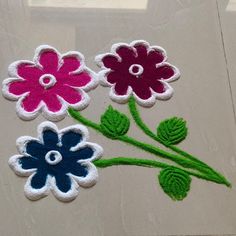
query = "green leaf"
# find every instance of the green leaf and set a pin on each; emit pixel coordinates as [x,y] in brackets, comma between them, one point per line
[175,182]
[172,131]
[114,123]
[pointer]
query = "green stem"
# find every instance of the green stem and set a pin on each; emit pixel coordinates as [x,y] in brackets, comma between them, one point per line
[147,147]
[138,120]
[103,163]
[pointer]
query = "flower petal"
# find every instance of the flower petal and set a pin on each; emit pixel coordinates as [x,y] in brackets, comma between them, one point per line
[52,102]
[70,63]
[27,162]
[31,102]
[121,88]
[164,72]
[50,138]
[69,94]
[77,80]
[70,139]
[127,54]
[63,183]
[83,153]
[141,52]
[158,87]
[142,90]
[111,61]
[79,170]
[19,87]
[35,149]
[29,71]
[155,57]
[113,77]
[38,181]
[49,59]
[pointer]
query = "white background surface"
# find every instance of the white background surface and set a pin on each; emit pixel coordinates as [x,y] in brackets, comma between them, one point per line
[199,36]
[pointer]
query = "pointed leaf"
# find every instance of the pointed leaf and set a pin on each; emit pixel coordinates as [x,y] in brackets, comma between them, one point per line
[172,131]
[114,123]
[175,182]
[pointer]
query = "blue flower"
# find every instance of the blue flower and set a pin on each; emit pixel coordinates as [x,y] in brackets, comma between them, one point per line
[59,160]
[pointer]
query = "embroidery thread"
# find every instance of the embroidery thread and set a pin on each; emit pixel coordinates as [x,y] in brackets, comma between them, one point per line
[49,84]
[58,160]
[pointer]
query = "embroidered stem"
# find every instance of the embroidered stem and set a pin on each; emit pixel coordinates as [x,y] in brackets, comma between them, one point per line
[103,163]
[186,163]
[138,120]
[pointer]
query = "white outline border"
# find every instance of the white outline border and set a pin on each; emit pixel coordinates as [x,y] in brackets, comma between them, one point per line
[42,107]
[88,181]
[124,98]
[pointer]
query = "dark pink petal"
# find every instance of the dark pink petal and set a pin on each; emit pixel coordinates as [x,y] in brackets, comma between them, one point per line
[110,61]
[49,60]
[142,90]
[127,54]
[31,102]
[70,63]
[164,72]
[158,87]
[52,102]
[77,80]
[28,71]
[121,88]
[69,94]
[141,51]
[113,77]
[155,57]
[18,87]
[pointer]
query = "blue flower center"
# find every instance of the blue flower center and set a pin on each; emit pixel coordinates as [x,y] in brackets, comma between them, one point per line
[53,157]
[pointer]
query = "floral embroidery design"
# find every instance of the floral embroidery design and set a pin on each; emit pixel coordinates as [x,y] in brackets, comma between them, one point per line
[63,160]
[50,84]
[59,160]
[137,69]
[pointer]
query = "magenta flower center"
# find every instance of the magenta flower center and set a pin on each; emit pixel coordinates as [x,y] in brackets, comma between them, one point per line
[47,80]
[53,157]
[136,69]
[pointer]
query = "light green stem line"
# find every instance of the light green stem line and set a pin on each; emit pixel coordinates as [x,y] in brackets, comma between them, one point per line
[186,163]
[103,163]
[138,120]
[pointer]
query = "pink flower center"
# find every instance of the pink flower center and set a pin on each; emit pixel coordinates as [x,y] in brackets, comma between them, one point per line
[47,80]
[136,69]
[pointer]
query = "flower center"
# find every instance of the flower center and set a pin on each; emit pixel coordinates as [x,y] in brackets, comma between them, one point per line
[53,157]
[47,80]
[135,69]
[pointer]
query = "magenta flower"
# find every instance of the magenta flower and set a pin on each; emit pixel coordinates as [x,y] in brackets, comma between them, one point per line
[137,69]
[50,84]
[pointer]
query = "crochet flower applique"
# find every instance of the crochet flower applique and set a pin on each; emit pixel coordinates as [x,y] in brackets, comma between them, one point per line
[58,160]
[50,84]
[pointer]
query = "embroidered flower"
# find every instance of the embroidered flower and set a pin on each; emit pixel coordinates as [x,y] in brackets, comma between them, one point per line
[49,84]
[59,161]
[137,69]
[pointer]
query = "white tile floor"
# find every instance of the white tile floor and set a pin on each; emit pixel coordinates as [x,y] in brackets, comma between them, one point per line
[200,39]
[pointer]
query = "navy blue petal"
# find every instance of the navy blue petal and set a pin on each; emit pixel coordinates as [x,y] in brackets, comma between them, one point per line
[70,139]
[79,170]
[28,162]
[83,153]
[63,183]
[50,138]
[39,180]
[36,149]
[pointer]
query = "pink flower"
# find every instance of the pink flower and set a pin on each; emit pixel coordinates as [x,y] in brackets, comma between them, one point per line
[137,69]
[49,84]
